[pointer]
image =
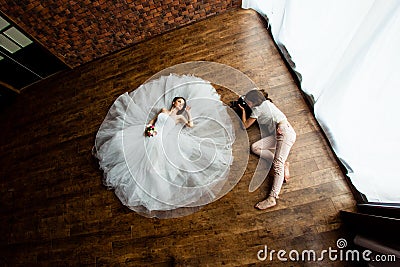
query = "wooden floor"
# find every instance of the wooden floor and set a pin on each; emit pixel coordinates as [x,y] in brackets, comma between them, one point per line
[56,212]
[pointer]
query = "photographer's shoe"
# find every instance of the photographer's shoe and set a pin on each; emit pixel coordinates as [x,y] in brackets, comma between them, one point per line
[269,202]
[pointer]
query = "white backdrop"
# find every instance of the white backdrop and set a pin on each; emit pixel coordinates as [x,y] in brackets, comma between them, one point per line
[348,54]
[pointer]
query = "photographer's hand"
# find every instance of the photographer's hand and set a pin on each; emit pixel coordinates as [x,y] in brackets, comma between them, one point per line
[243,116]
[246,122]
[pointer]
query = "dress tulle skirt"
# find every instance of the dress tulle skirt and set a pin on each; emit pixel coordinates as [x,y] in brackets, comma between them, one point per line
[180,168]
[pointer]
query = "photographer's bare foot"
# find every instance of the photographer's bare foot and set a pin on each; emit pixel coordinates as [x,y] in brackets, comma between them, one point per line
[286,172]
[266,203]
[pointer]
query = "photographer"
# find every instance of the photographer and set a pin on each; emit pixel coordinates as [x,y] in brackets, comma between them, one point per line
[266,113]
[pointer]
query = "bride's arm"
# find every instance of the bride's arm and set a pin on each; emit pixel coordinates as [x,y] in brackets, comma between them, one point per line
[188,122]
[152,121]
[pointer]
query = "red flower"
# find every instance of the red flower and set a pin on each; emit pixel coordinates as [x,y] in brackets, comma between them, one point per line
[150,131]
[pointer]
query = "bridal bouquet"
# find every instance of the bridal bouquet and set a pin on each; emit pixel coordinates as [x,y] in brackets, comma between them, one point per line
[150,130]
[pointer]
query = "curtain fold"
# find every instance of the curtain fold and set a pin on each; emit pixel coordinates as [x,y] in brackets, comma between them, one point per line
[347,55]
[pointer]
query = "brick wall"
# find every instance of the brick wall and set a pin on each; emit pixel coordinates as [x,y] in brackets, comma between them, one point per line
[81,31]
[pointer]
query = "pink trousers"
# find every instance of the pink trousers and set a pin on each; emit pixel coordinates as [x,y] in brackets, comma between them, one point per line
[284,140]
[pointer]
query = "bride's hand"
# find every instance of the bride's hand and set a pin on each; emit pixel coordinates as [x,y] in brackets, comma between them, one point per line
[188,108]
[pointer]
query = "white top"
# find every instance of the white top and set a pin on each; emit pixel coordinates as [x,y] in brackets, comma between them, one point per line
[267,113]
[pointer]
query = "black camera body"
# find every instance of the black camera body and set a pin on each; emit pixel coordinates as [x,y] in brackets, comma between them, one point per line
[235,106]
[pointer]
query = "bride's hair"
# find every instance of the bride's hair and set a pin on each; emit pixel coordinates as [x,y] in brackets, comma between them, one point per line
[184,105]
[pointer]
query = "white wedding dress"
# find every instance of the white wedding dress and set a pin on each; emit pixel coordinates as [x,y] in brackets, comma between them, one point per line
[180,167]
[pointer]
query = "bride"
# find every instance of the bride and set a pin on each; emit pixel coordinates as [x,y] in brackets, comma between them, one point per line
[177,108]
[183,163]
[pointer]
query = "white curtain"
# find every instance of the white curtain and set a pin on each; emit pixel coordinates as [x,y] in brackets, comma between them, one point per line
[348,55]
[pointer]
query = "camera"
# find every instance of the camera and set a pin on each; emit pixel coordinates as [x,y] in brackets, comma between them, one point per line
[235,106]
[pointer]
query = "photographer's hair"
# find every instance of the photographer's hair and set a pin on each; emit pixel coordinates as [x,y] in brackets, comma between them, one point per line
[184,105]
[257,96]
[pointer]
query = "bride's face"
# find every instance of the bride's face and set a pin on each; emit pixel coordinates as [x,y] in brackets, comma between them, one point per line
[179,103]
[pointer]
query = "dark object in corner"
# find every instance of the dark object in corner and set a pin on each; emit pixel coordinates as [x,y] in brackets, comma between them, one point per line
[7,97]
